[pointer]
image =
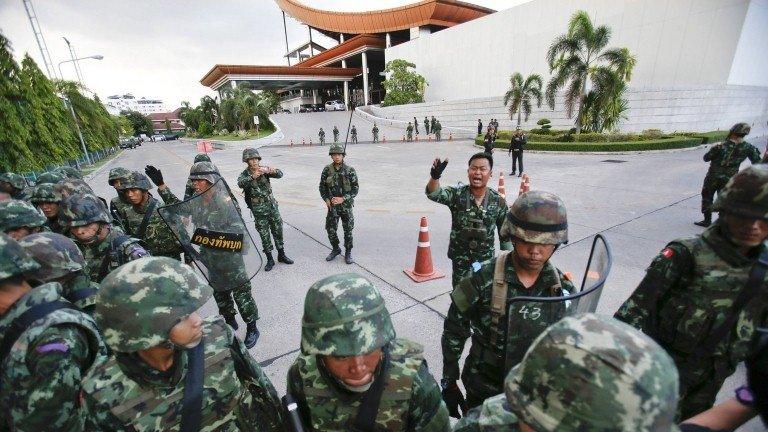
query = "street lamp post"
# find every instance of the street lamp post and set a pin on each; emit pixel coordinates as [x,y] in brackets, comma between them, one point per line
[72,109]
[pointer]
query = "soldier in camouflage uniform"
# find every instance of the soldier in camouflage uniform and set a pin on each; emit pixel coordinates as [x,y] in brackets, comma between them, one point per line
[73,186]
[69,172]
[724,161]
[48,355]
[142,220]
[48,177]
[476,212]
[375,132]
[255,183]
[61,261]
[437,129]
[14,185]
[321,136]
[118,204]
[225,270]
[409,132]
[104,246]
[48,200]
[20,218]
[697,299]
[426,125]
[432,124]
[353,134]
[349,354]
[335,134]
[148,314]
[189,190]
[585,373]
[338,188]
[536,224]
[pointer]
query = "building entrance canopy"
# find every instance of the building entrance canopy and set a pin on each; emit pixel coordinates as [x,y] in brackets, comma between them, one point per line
[277,77]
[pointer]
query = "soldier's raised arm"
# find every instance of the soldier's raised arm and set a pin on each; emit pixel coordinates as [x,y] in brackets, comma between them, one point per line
[433,185]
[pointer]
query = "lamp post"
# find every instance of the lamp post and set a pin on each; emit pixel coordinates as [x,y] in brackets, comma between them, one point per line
[72,109]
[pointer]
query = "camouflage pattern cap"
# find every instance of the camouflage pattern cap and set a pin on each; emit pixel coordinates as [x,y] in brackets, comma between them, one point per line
[13,259]
[73,186]
[336,149]
[49,177]
[746,193]
[537,217]
[139,302]
[592,372]
[202,157]
[16,214]
[118,173]
[45,193]
[344,315]
[204,171]
[740,129]
[57,255]
[136,180]
[250,153]
[17,181]
[69,172]
[82,209]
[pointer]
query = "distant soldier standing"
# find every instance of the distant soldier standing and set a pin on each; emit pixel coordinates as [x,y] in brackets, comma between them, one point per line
[48,200]
[14,185]
[516,145]
[409,132]
[321,136]
[432,124]
[375,132]
[256,186]
[416,125]
[19,219]
[335,134]
[479,127]
[338,188]
[437,129]
[353,133]
[426,125]
[724,161]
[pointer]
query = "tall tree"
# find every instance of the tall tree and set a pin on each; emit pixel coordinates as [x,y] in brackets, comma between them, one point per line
[521,93]
[97,126]
[403,85]
[578,57]
[209,108]
[141,123]
[190,116]
[15,154]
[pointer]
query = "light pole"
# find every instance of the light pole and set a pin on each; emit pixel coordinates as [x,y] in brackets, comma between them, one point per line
[95,57]
[72,109]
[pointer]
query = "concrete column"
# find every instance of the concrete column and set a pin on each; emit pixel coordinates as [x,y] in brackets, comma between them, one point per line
[234,84]
[341,38]
[365,77]
[389,40]
[346,83]
[314,96]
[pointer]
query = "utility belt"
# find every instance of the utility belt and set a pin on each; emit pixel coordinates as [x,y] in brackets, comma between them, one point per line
[474,236]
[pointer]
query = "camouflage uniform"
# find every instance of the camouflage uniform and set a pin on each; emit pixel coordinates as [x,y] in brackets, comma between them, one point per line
[118,204]
[585,373]
[344,315]
[375,132]
[46,193]
[40,377]
[14,184]
[432,124]
[125,393]
[60,260]
[15,214]
[69,172]
[102,256]
[437,128]
[426,125]
[335,134]
[353,134]
[189,190]
[73,186]
[339,181]
[409,132]
[321,136]
[48,177]
[689,290]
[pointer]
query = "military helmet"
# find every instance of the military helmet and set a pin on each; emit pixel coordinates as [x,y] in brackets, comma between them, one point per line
[17,213]
[202,157]
[45,193]
[336,149]
[537,217]
[344,315]
[49,177]
[73,186]
[204,171]
[69,172]
[746,193]
[136,180]
[118,173]
[17,181]
[57,255]
[250,153]
[592,372]
[82,209]
[742,129]
[13,259]
[139,303]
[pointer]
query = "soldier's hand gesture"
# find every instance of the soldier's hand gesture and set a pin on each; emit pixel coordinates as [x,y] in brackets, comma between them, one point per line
[155,175]
[438,167]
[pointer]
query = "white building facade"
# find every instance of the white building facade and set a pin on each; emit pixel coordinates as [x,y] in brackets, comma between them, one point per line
[127,102]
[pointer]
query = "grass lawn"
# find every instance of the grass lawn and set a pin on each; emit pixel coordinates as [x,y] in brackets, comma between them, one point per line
[235,137]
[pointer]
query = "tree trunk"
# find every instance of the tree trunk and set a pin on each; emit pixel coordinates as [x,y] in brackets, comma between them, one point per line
[519,114]
[581,108]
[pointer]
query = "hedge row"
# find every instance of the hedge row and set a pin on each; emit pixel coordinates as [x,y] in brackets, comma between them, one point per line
[659,144]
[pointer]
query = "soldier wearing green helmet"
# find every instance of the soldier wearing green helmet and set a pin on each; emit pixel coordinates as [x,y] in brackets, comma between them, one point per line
[584,373]
[49,177]
[163,351]
[104,246]
[118,204]
[353,374]
[14,185]
[257,189]
[536,224]
[321,136]
[338,188]
[69,172]
[61,261]
[47,347]
[190,188]
[48,200]
[74,186]
[20,218]
[724,161]
[703,297]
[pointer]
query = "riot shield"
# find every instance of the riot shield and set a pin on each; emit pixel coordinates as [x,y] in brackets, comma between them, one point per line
[214,235]
[527,317]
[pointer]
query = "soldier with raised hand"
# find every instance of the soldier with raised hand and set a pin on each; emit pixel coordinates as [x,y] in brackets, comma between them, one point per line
[353,374]
[48,200]
[353,134]
[321,136]
[164,351]
[19,218]
[724,161]
[476,212]
[338,188]
[104,246]
[375,132]
[335,134]
[118,204]
[703,297]
[585,373]
[14,185]
[256,186]
[47,347]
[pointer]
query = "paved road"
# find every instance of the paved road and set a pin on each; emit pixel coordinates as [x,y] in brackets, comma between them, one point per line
[639,202]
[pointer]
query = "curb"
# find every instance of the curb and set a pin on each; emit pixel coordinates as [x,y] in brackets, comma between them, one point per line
[678,150]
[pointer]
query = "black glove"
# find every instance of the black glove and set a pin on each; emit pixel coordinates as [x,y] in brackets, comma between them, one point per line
[155,175]
[454,399]
[438,167]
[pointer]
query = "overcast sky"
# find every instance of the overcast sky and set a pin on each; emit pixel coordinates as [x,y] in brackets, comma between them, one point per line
[161,49]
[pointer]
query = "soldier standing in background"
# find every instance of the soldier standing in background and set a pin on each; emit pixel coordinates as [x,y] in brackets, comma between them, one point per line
[516,145]
[48,200]
[437,128]
[416,126]
[375,132]
[335,134]
[338,188]
[432,123]
[189,190]
[321,136]
[426,125]
[353,134]
[409,132]
[19,219]
[479,127]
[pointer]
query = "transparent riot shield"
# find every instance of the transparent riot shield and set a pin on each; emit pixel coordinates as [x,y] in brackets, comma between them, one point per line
[527,317]
[212,233]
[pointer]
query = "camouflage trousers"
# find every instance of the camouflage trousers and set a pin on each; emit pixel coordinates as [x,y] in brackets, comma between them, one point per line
[245,303]
[343,212]
[375,137]
[713,183]
[354,138]
[481,380]
[268,221]
[409,136]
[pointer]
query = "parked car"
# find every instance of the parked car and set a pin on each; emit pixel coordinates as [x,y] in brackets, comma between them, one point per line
[334,105]
[285,111]
[319,107]
[170,137]
[158,137]
[303,108]
[128,142]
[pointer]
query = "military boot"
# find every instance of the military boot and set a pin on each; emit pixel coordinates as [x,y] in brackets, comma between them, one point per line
[348,256]
[334,253]
[270,262]
[707,220]
[283,258]
[251,335]
[230,319]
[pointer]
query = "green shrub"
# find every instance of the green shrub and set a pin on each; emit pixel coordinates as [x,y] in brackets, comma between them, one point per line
[544,121]
[582,146]
[205,128]
[712,136]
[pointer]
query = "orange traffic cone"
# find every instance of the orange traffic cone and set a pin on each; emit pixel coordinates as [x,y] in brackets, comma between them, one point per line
[525,184]
[502,189]
[423,270]
[417,138]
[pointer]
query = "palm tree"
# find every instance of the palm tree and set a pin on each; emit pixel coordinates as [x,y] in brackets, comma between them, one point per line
[580,56]
[520,94]
[210,108]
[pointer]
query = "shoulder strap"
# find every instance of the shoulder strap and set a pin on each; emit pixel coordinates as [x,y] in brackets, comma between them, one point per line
[192,403]
[365,420]
[498,294]
[148,215]
[22,322]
